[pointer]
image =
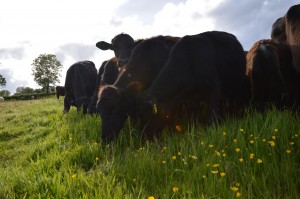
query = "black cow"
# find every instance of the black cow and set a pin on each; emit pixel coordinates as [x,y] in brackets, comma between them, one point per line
[60,91]
[117,101]
[80,85]
[210,64]
[122,45]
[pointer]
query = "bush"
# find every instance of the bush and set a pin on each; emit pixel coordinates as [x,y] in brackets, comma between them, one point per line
[29,96]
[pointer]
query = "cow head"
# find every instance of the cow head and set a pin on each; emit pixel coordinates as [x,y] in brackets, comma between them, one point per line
[293,34]
[278,31]
[151,116]
[112,111]
[121,44]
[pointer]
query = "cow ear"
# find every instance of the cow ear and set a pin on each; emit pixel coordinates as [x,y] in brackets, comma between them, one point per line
[104,45]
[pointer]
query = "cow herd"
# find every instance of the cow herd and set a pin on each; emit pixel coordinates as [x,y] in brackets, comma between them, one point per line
[164,80]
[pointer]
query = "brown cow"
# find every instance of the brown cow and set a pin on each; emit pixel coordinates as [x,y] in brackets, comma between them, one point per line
[278,31]
[273,79]
[286,30]
[292,26]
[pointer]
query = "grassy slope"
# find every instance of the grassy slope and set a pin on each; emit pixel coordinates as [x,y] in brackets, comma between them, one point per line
[48,155]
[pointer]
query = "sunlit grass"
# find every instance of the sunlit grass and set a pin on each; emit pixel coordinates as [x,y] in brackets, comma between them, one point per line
[44,154]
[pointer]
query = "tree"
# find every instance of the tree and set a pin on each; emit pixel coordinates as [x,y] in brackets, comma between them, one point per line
[4,93]
[45,69]
[2,81]
[24,90]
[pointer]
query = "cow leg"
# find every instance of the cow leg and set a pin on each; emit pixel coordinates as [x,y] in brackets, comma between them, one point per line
[68,101]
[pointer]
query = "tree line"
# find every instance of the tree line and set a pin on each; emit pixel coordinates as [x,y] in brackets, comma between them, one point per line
[46,71]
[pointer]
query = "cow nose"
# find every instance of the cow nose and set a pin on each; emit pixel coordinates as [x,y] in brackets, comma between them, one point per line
[122,62]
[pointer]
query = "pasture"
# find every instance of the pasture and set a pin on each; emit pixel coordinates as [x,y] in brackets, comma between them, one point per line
[44,154]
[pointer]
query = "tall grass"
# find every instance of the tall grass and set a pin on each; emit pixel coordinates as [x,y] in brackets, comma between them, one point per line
[44,154]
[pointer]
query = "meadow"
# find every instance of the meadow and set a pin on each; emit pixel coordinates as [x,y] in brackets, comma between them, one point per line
[45,154]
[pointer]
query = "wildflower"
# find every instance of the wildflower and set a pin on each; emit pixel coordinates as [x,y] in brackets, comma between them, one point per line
[218,153]
[288,151]
[207,165]
[165,148]
[292,143]
[296,135]
[216,165]
[97,158]
[222,174]
[237,150]
[151,197]
[193,157]
[259,161]
[238,194]
[163,162]
[175,189]
[234,189]
[178,128]
[237,184]
[133,180]
[264,140]
[214,171]
[272,143]
[174,157]
[179,154]
[74,176]
[142,148]
[241,130]
[201,142]
[241,160]
[235,140]
[204,176]
[276,130]
[251,155]
[224,133]
[210,145]
[251,141]
[224,154]
[273,137]
[70,138]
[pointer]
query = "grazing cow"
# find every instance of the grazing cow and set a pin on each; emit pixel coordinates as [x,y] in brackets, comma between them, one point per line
[292,26]
[79,85]
[1,98]
[273,79]
[60,91]
[210,64]
[117,101]
[278,31]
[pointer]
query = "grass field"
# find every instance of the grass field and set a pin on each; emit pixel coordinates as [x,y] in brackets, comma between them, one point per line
[44,154]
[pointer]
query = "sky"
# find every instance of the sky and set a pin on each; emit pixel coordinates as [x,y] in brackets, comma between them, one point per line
[70,29]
